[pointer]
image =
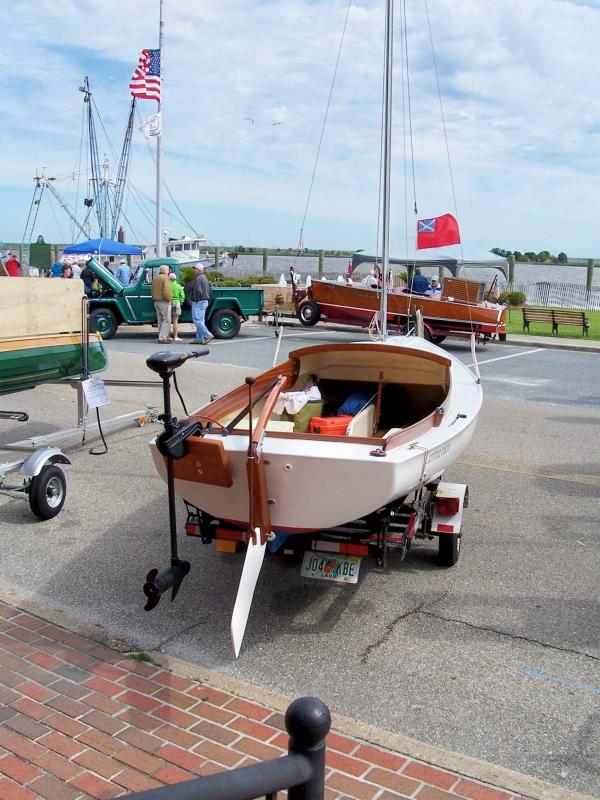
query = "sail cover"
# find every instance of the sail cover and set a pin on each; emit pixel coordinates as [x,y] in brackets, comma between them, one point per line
[453,257]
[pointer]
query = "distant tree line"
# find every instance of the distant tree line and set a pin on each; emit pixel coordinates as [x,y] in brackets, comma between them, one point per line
[544,257]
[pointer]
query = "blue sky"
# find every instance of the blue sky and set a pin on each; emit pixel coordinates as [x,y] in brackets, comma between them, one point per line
[519,83]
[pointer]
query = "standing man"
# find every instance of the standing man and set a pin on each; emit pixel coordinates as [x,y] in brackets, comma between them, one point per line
[199,297]
[12,266]
[123,273]
[162,296]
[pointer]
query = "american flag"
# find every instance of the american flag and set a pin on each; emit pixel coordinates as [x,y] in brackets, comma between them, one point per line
[145,81]
[495,290]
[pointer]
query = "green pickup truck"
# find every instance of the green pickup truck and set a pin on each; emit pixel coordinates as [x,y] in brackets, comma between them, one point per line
[132,305]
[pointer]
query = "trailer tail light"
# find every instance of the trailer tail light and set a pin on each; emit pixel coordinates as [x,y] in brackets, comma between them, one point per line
[448,506]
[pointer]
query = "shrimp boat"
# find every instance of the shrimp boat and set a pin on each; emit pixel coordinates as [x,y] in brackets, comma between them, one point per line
[340,449]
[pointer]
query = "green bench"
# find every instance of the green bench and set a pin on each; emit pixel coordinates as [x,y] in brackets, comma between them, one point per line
[555,317]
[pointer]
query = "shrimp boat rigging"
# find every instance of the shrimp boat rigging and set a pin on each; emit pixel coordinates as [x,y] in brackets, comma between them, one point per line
[251,469]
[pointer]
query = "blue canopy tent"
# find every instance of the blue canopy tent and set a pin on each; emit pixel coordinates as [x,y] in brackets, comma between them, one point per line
[103,247]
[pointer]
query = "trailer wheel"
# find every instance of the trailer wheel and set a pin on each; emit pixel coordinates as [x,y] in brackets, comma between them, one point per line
[47,492]
[309,313]
[449,551]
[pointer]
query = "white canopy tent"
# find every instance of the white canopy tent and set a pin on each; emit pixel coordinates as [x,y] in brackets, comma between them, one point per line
[453,257]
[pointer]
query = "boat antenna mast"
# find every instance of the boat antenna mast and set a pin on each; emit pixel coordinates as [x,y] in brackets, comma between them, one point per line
[387,152]
[122,172]
[98,185]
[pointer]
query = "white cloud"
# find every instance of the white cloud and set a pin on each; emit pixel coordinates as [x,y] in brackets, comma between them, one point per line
[518,80]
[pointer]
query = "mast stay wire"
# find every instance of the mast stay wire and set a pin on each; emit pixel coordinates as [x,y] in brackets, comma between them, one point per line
[164,183]
[314,172]
[439,92]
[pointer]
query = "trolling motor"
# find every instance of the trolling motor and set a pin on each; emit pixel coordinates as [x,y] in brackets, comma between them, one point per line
[172,444]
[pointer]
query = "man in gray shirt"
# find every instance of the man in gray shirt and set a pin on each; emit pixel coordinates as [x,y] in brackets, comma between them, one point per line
[199,296]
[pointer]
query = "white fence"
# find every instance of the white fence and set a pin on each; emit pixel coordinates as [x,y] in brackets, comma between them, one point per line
[558,295]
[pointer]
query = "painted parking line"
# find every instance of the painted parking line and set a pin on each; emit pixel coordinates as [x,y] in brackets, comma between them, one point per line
[583,687]
[503,358]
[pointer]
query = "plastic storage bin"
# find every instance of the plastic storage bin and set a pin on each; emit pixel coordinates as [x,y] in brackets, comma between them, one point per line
[333,426]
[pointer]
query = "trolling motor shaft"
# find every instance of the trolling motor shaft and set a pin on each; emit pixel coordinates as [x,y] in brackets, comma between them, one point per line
[172,445]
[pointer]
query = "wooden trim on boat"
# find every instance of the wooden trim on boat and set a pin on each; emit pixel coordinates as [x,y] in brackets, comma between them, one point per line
[205,462]
[40,341]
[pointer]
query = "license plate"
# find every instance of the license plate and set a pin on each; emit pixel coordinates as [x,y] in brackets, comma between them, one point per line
[330,567]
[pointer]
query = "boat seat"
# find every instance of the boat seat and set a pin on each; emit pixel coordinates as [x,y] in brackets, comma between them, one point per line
[362,423]
[280,425]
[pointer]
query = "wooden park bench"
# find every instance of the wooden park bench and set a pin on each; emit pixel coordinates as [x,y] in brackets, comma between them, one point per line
[555,317]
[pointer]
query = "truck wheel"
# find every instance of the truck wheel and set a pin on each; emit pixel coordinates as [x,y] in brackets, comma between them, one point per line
[225,324]
[309,313]
[47,492]
[104,322]
[449,549]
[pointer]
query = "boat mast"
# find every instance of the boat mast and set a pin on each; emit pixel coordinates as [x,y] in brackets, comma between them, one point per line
[387,158]
[159,247]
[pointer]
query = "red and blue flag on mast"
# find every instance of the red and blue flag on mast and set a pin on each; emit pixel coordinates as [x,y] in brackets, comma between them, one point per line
[437,232]
[145,81]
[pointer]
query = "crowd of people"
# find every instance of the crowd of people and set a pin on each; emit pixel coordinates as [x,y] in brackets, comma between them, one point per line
[169,295]
[418,284]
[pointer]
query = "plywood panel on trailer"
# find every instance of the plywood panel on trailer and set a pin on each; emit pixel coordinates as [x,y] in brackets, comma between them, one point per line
[36,306]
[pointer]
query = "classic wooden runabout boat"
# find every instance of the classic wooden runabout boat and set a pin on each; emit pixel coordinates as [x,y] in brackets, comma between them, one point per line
[457,311]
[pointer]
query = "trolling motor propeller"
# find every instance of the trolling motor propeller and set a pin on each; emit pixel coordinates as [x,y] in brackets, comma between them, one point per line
[172,445]
[159,582]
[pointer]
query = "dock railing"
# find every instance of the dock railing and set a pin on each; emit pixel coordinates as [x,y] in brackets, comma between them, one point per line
[301,772]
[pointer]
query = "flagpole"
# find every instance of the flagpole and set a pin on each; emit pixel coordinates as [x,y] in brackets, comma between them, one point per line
[159,243]
[387,153]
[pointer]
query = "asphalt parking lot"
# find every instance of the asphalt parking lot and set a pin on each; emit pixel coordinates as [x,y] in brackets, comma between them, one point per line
[497,658]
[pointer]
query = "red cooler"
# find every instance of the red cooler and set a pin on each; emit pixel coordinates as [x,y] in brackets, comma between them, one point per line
[333,426]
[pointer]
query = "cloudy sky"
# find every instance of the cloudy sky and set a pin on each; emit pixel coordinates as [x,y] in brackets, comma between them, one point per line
[520,85]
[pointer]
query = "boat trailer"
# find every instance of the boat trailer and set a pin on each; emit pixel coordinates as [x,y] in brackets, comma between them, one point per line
[434,511]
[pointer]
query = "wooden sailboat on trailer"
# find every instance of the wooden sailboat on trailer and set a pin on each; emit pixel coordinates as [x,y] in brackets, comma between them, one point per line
[255,464]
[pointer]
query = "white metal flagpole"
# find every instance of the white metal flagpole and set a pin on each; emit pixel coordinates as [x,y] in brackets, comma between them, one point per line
[159,243]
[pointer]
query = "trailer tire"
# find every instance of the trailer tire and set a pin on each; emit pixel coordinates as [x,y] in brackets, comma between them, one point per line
[225,324]
[104,322]
[309,313]
[47,492]
[449,549]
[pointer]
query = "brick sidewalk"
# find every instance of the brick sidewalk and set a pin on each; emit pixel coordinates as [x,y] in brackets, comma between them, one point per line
[80,720]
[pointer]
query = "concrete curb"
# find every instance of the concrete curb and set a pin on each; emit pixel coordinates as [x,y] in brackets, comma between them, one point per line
[529,788]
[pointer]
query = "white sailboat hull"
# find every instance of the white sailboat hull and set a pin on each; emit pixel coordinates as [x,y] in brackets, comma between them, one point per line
[314,485]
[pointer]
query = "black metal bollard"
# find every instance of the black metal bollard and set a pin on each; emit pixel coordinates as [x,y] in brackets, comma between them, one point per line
[308,721]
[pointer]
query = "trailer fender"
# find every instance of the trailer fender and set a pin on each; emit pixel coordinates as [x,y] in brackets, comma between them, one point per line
[33,465]
[442,519]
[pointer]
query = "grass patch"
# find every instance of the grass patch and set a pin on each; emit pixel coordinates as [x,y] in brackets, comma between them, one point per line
[514,324]
[145,658]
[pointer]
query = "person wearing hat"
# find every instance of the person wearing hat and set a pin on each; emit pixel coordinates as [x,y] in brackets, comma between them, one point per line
[176,303]
[435,289]
[123,273]
[199,295]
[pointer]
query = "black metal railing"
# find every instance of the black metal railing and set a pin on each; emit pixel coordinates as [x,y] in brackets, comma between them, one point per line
[301,772]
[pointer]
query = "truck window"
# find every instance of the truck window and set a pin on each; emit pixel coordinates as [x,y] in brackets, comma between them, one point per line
[151,273]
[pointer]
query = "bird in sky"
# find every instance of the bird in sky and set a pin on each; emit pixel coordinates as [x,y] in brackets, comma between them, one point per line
[250,120]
